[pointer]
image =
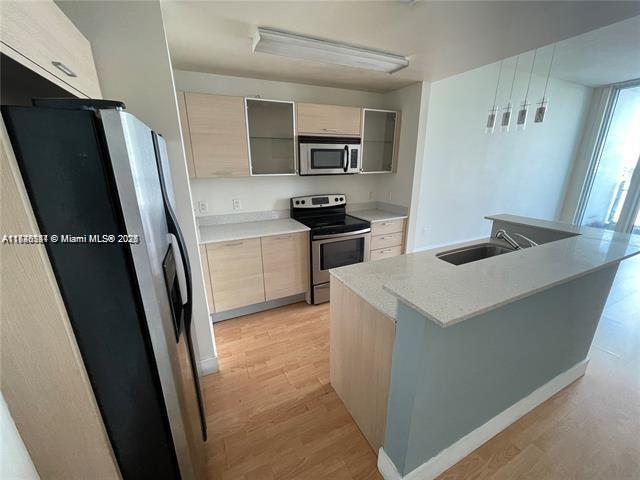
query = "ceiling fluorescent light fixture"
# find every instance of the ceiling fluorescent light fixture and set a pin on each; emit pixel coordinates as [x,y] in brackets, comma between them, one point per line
[317,50]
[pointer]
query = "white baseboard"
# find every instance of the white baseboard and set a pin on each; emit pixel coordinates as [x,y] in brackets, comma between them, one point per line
[208,365]
[386,467]
[467,444]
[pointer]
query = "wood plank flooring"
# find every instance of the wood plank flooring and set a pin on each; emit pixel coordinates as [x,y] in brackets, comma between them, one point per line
[272,413]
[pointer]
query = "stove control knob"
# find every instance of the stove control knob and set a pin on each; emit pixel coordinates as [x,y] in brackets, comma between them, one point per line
[336,199]
[303,202]
[297,202]
[342,199]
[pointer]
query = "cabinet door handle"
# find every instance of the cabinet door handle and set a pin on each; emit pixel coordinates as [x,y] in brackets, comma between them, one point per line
[64,69]
[285,237]
[330,129]
[233,244]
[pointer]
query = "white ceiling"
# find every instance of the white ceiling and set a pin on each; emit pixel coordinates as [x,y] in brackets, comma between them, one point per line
[441,38]
[608,55]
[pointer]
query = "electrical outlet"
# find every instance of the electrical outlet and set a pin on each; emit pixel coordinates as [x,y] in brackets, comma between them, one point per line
[237,204]
[203,207]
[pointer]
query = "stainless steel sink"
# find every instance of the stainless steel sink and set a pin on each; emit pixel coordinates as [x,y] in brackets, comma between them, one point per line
[473,253]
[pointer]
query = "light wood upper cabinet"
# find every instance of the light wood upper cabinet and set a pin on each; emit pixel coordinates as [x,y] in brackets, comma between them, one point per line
[380,140]
[186,134]
[218,133]
[286,265]
[331,120]
[41,37]
[236,273]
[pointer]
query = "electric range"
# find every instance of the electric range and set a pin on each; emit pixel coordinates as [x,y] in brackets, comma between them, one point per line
[337,239]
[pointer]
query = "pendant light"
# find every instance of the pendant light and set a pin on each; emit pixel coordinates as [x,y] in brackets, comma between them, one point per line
[521,120]
[505,123]
[491,119]
[542,108]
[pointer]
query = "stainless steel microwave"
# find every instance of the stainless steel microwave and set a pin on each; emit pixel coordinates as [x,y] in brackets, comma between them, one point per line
[329,155]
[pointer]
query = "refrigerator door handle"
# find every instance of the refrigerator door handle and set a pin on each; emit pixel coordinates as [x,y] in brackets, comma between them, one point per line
[174,229]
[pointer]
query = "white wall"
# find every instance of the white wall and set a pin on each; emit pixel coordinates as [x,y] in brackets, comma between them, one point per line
[15,462]
[273,193]
[467,174]
[133,64]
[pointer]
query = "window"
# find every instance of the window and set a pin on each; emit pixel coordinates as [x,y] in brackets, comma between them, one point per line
[612,194]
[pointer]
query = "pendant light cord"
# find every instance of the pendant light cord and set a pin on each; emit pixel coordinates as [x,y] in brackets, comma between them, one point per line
[513,81]
[495,96]
[526,96]
[553,55]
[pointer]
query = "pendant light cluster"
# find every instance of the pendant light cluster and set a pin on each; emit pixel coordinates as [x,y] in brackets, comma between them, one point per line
[521,118]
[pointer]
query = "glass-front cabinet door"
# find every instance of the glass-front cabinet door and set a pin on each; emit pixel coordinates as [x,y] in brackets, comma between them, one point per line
[271,135]
[379,140]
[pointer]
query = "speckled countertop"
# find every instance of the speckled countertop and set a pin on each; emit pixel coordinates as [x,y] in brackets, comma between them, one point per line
[242,230]
[448,294]
[376,215]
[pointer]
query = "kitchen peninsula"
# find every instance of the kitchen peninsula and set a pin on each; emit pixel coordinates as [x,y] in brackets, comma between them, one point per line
[435,352]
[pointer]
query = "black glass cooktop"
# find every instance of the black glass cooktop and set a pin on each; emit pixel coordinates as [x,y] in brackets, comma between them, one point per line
[338,223]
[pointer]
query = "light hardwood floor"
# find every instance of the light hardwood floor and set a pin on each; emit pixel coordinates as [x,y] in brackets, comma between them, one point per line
[274,415]
[272,411]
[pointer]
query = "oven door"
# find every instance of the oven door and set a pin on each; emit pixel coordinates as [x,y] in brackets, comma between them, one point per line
[324,159]
[337,251]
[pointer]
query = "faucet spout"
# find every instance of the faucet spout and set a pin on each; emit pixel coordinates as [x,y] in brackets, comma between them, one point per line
[502,234]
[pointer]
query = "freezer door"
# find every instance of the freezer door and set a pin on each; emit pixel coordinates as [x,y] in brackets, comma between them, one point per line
[133,157]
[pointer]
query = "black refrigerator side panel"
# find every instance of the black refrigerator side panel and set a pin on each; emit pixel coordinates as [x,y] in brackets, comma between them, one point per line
[70,184]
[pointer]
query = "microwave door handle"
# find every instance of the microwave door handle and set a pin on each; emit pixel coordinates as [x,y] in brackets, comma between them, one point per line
[346,158]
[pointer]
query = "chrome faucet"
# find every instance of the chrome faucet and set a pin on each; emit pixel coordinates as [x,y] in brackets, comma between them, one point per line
[502,234]
[527,239]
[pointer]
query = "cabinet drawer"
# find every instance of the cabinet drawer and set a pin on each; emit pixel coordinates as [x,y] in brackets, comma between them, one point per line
[317,119]
[285,259]
[386,241]
[218,135]
[386,253]
[207,278]
[388,226]
[236,273]
[40,36]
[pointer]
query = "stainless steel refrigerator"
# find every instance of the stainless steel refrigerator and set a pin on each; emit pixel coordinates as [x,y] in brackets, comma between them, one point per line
[99,184]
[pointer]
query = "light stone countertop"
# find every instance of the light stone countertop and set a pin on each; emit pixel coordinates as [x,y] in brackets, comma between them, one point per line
[243,230]
[448,294]
[376,215]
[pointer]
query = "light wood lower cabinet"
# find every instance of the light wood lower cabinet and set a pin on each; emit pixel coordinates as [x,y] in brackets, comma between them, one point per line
[207,278]
[245,272]
[387,239]
[236,273]
[387,226]
[381,253]
[361,347]
[286,265]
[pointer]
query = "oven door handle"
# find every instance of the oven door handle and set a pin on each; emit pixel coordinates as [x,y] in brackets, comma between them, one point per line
[345,234]
[346,158]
